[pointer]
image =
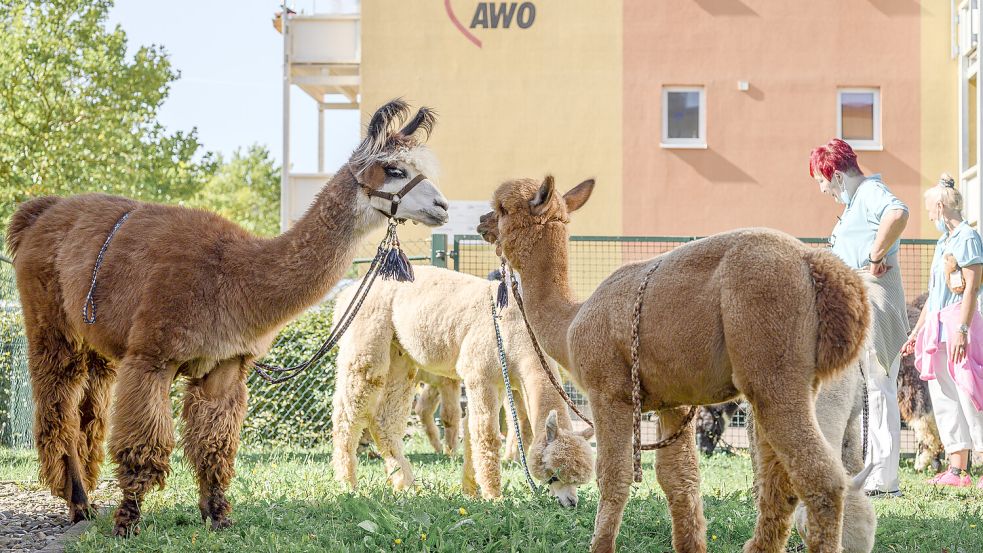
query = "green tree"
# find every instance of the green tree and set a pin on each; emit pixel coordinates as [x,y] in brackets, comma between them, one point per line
[246,189]
[76,114]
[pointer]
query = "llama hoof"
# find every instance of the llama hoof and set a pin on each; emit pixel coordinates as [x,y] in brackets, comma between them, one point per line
[221,523]
[126,530]
[127,519]
[78,513]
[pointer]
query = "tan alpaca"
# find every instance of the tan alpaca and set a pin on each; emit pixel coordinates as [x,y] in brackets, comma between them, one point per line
[750,312]
[446,393]
[182,292]
[441,323]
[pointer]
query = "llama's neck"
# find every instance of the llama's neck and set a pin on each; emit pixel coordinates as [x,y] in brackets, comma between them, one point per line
[549,301]
[293,271]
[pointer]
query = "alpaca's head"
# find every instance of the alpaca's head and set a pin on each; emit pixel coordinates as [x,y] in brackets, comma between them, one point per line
[563,458]
[859,518]
[390,157]
[525,211]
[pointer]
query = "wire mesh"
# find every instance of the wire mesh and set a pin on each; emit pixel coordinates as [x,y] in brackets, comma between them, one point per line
[593,258]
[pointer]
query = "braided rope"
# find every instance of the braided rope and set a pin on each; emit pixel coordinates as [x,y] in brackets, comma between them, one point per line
[866,409]
[89,308]
[636,388]
[508,394]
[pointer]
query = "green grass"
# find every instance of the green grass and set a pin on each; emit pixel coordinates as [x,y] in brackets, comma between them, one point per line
[287,501]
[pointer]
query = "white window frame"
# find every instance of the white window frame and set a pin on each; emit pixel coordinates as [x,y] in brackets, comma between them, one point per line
[699,143]
[863,145]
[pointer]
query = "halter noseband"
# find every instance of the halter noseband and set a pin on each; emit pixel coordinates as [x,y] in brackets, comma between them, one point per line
[393,199]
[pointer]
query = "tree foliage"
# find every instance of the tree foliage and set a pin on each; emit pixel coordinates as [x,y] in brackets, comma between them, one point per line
[77,114]
[246,189]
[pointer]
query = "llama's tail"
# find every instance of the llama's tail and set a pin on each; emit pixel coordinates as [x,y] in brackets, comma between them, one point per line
[844,314]
[24,217]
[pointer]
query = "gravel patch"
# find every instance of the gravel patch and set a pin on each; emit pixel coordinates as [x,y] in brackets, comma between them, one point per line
[31,519]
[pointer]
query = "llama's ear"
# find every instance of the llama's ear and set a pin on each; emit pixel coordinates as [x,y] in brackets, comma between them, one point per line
[587,433]
[373,176]
[551,427]
[578,195]
[857,483]
[538,204]
[384,117]
[424,119]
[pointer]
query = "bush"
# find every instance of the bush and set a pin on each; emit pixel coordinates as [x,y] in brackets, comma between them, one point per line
[296,412]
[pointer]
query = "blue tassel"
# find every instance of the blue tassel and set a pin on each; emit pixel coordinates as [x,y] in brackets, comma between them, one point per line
[395,266]
[503,295]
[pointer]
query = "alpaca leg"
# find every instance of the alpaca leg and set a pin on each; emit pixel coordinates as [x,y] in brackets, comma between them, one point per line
[142,434]
[469,486]
[95,417]
[775,498]
[929,443]
[214,408]
[425,407]
[361,369]
[678,472]
[815,474]
[613,427]
[484,403]
[58,380]
[389,425]
[450,413]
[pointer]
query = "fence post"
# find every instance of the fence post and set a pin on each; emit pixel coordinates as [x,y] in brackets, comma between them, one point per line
[438,250]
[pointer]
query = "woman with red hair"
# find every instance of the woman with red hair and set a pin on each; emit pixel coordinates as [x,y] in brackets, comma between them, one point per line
[867,238]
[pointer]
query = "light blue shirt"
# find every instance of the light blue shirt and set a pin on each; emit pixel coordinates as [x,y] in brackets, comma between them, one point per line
[854,234]
[965,245]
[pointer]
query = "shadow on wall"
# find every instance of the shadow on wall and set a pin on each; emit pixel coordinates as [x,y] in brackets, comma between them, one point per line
[893,8]
[713,166]
[728,7]
[897,174]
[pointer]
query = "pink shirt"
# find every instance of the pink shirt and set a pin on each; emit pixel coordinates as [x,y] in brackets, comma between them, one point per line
[968,373]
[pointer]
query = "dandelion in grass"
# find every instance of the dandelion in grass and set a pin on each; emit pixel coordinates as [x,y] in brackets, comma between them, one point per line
[423,537]
[462,511]
[397,541]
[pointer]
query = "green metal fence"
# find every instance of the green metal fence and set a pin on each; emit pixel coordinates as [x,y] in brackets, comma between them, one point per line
[299,411]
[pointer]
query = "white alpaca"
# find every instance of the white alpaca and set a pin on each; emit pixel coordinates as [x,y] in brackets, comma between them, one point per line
[442,323]
[839,408]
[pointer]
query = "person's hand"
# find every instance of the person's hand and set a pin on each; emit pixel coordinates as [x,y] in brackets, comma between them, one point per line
[909,346]
[959,348]
[879,268]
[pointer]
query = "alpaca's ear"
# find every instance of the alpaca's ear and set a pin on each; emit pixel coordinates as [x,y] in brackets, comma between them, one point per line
[578,195]
[373,176]
[587,433]
[857,483]
[539,204]
[551,427]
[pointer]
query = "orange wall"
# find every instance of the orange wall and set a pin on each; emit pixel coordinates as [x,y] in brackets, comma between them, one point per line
[755,169]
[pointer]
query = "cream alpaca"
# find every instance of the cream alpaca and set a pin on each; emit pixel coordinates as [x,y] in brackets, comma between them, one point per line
[442,323]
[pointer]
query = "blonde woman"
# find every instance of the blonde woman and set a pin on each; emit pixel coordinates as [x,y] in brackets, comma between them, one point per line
[867,238]
[948,339]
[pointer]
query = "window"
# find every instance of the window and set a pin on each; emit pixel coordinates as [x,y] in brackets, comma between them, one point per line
[858,112]
[684,117]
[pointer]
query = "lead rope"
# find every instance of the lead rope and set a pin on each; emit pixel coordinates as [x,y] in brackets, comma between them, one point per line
[508,394]
[387,251]
[89,308]
[636,388]
[636,384]
[866,409]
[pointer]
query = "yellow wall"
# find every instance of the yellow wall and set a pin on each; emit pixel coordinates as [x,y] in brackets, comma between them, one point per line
[546,99]
[939,105]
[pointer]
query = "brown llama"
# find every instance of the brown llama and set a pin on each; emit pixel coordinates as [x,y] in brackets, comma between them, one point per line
[751,312]
[183,292]
[916,405]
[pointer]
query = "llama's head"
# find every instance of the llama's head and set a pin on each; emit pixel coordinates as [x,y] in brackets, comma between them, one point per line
[859,518]
[563,459]
[525,211]
[393,156]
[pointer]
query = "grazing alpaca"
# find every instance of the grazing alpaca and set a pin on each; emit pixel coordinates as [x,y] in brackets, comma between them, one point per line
[445,392]
[441,323]
[839,409]
[916,404]
[752,312]
[711,423]
[183,292]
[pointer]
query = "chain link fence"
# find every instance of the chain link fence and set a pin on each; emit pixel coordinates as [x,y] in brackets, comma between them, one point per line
[298,412]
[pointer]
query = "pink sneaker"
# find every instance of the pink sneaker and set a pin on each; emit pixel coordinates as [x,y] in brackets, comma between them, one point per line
[947,478]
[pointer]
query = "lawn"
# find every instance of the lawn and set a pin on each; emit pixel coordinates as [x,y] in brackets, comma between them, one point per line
[286,501]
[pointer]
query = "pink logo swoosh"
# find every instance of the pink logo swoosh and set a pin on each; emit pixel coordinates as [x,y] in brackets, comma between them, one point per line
[467,34]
